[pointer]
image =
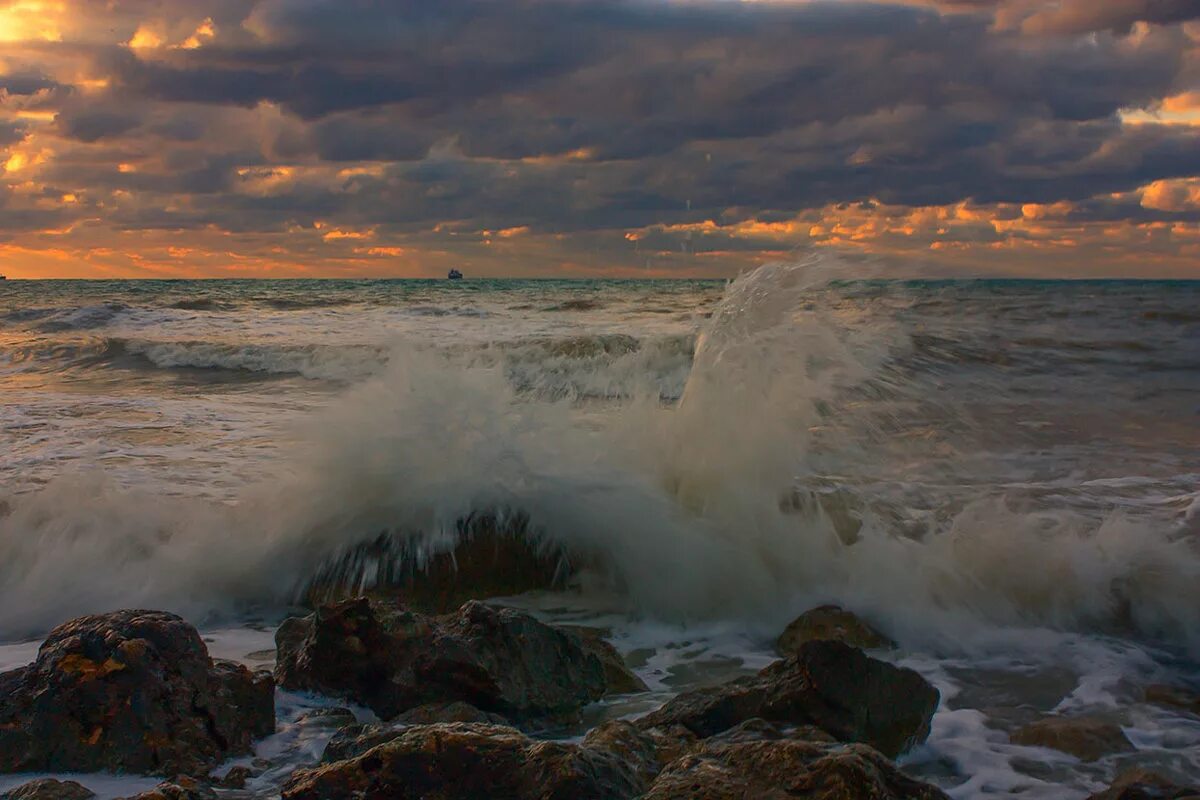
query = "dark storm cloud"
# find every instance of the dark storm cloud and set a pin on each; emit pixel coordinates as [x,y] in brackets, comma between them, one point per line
[26,83]
[11,132]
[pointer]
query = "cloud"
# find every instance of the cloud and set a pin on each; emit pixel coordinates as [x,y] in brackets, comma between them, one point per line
[588,119]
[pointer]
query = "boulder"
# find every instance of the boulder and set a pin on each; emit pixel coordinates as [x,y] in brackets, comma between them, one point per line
[355,740]
[618,677]
[130,691]
[49,789]
[1140,784]
[1174,697]
[178,789]
[494,555]
[829,685]
[784,769]
[499,660]
[457,711]
[830,623]
[457,761]
[1086,738]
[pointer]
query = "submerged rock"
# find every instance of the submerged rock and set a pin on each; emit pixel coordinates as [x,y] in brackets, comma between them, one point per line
[782,769]
[130,691]
[1174,697]
[1140,784]
[1086,738]
[468,760]
[830,685]
[49,789]
[830,623]
[498,660]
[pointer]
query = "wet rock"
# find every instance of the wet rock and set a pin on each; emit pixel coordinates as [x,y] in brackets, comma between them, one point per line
[130,691]
[457,711]
[787,768]
[1174,697]
[1086,738]
[829,685]
[468,760]
[620,679]
[178,789]
[236,778]
[1140,784]
[49,789]
[495,555]
[499,660]
[830,623]
[328,718]
[643,751]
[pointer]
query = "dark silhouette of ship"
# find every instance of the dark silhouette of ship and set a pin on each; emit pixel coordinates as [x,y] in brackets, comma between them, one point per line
[454,275]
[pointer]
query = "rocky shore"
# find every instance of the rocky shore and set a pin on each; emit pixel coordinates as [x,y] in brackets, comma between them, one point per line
[480,703]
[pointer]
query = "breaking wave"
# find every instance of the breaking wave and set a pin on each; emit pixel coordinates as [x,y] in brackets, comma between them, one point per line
[704,508]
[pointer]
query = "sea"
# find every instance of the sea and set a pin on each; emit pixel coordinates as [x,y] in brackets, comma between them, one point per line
[1002,475]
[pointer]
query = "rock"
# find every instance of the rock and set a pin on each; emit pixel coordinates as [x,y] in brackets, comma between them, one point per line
[494,556]
[829,685]
[643,751]
[130,691]
[49,789]
[452,761]
[355,740]
[499,660]
[178,789]
[1174,697]
[787,768]
[457,711]
[619,678]
[830,623]
[236,778]
[1086,738]
[328,718]
[1140,784]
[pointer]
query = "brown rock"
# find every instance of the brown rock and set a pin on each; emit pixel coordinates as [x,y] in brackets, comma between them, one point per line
[498,660]
[236,778]
[830,623]
[1174,697]
[832,686]
[130,691]
[785,769]
[353,741]
[49,789]
[1086,738]
[458,761]
[1140,784]
[178,789]
[619,678]
[457,711]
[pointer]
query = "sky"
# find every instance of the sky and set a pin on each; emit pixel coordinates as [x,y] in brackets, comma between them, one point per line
[571,138]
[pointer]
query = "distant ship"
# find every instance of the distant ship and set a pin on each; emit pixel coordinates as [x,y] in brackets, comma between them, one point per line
[454,275]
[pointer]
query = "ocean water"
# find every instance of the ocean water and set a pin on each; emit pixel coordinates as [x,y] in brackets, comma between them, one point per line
[1002,475]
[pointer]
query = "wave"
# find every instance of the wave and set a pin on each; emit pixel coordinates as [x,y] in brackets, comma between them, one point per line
[80,319]
[582,304]
[202,304]
[583,366]
[674,512]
